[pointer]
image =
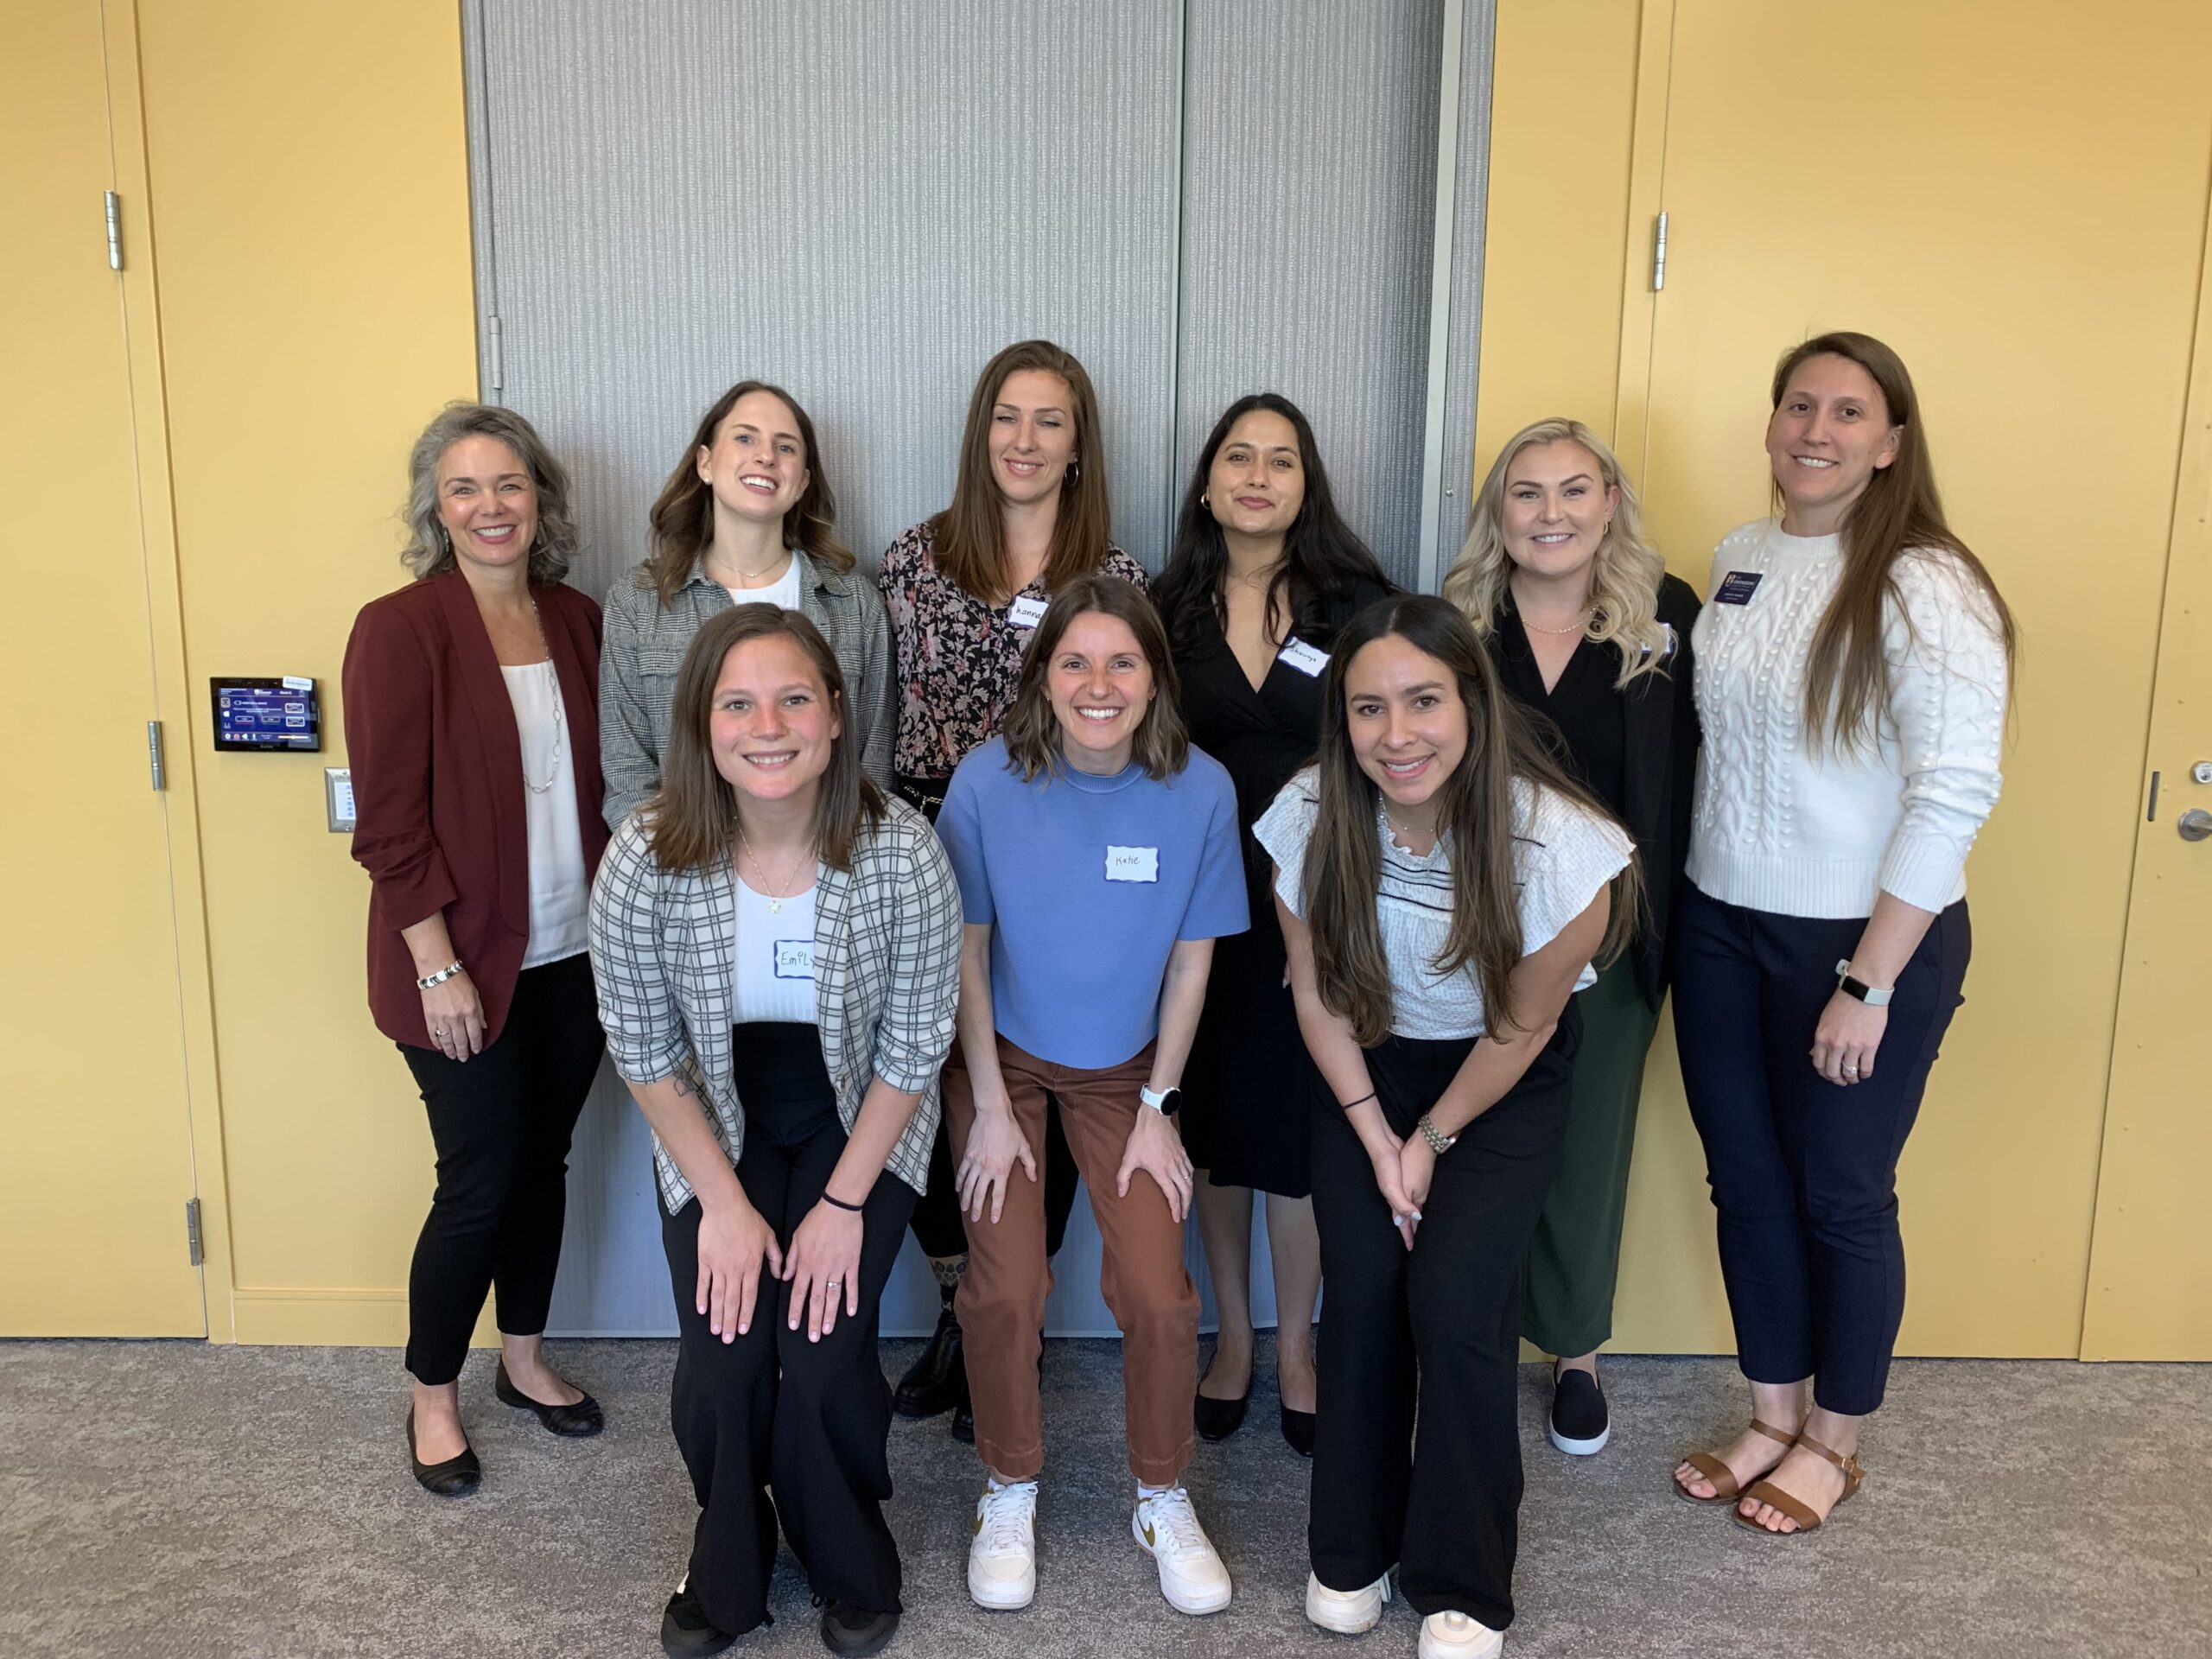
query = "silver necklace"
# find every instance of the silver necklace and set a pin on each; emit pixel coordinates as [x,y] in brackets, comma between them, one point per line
[559,716]
[775,900]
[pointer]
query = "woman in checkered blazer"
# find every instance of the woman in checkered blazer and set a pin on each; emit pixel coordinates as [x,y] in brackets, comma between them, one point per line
[778,948]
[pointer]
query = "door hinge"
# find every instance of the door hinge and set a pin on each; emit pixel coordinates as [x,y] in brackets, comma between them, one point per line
[154,754]
[114,231]
[193,1241]
[1659,253]
[497,364]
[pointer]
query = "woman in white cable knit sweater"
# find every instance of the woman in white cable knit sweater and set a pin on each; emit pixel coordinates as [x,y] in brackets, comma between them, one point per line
[1852,659]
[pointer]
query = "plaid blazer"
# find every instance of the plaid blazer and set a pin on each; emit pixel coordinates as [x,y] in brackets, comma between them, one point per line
[886,978]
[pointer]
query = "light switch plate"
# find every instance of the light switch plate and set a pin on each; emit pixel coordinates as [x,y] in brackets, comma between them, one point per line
[338,798]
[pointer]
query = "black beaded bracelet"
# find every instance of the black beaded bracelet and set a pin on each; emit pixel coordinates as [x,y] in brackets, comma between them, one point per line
[836,1203]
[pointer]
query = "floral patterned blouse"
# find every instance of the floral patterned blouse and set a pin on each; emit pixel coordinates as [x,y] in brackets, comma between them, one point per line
[956,658]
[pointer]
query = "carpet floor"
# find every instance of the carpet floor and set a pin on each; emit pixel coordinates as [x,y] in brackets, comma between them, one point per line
[176,1498]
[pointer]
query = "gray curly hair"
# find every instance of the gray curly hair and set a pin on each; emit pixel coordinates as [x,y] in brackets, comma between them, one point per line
[430,548]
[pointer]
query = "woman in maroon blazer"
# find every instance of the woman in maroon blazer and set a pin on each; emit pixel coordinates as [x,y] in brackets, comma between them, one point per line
[471,725]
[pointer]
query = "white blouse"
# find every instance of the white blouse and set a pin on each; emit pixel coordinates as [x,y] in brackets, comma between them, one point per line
[560,897]
[1562,853]
[773,973]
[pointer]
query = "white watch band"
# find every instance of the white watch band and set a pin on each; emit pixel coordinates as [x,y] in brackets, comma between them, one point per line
[1153,1097]
[1858,987]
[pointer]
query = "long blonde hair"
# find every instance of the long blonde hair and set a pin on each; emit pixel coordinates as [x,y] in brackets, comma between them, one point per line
[1623,579]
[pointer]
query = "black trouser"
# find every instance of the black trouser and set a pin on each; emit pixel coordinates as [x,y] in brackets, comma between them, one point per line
[811,1418]
[939,1228]
[1804,1171]
[501,1123]
[1440,1323]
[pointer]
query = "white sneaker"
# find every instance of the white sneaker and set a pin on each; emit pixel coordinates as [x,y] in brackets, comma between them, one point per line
[1456,1636]
[1348,1612]
[1002,1556]
[1192,1576]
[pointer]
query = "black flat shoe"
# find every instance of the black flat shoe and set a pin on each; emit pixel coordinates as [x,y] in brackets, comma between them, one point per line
[964,1421]
[578,1422]
[455,1477]
[684,1631]
[852,1631]
[1298,1429]
[1581,1425]
[1217,1419]
[938,1380]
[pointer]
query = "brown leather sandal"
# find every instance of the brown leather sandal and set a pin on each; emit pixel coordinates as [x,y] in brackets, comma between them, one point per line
[1766,1492]
[1725,1487]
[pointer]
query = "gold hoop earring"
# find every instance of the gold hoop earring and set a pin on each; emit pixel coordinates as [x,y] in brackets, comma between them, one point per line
[1205,498]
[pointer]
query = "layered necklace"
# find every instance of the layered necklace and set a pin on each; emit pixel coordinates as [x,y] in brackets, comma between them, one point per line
[560,715]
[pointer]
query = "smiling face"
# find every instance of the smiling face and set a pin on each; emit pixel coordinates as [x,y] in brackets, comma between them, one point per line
[1257,481]
[1408,726]
[1032,435]
[1828,438]
[487,502]
[1101,686]
[756,465]
[772,721]
[1557,508]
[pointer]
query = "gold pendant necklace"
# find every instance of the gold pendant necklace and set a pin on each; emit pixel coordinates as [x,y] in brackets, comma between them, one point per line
[775,900]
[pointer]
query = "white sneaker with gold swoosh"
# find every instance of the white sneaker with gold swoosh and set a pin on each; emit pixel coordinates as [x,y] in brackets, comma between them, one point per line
[1192,1576]
[1002,1556]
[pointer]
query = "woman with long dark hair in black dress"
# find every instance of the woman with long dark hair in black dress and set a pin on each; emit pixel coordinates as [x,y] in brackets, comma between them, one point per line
[1263,574]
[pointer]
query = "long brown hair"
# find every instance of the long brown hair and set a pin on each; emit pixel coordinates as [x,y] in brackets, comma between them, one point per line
[1848,677]
[1477,816]
[683,519]
[1033,730]
[693,815]
[968,537]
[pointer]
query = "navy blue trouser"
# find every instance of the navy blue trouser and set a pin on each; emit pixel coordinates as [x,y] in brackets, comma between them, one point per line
[1438,1326]
[1803,1170]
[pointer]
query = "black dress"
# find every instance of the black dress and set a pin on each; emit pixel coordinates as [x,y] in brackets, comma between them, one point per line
[1247,1087]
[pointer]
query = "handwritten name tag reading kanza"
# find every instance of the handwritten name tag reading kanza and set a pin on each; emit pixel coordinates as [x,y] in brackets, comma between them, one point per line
[1133,863]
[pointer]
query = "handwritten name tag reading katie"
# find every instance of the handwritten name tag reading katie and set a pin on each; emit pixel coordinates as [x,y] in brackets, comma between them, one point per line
[1133,863]
[1309,660]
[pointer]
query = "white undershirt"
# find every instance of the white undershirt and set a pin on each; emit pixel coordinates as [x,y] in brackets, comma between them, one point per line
[775,959]
[560,897]
[783,591]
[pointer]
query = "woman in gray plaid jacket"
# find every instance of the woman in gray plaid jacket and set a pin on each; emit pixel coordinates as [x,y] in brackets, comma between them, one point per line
[777,944]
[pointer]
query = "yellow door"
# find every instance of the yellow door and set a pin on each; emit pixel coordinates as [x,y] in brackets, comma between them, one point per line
[2150,1268]
[2014,198]
[98,1168]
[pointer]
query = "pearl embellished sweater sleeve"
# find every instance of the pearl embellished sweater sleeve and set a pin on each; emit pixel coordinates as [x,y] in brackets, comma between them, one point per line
[1782,826]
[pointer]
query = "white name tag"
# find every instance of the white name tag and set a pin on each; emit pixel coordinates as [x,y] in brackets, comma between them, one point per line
[1027,611]
[794,958]
[1307,660]
[1133,863]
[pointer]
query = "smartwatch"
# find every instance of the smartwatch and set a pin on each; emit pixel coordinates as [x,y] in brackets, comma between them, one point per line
[1859,988]
[1165,1101]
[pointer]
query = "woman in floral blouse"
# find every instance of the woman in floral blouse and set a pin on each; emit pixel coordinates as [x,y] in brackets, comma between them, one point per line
[965,590]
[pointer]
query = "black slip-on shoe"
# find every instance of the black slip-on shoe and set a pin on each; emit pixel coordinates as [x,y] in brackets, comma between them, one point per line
[854,1631]
[685,1632]
[455,1477]
[575,1422]
[1298,1429]
[1581,1424]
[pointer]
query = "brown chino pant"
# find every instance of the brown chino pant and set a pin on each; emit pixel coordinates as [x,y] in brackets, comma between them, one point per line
[1001,1299]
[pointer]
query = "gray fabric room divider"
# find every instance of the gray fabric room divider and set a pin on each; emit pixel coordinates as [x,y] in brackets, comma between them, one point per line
[862,200]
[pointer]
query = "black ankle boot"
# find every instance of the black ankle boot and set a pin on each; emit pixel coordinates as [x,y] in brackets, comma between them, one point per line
[938,1380]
